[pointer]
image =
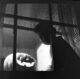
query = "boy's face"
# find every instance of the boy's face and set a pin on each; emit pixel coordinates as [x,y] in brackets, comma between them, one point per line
[45,37]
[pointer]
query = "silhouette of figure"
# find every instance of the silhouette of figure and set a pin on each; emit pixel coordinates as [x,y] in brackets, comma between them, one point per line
[64,57]
[44,51]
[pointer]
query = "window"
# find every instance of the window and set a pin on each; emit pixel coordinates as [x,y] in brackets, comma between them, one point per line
[27,16]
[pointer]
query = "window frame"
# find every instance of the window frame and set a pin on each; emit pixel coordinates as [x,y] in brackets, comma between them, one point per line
[15,27]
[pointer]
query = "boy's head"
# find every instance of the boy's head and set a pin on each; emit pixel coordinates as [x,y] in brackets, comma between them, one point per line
[43,30]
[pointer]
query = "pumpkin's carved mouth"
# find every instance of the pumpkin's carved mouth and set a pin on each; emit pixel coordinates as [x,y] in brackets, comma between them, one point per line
[26,60]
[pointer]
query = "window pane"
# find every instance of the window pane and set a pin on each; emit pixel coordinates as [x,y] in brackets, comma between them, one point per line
[1,48]
[34,10]
[9,9]
[7,49]
[25,23]
[27,43]
[8,20]
[55,16]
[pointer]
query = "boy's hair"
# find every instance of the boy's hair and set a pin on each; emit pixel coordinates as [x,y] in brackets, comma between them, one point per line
[43,30]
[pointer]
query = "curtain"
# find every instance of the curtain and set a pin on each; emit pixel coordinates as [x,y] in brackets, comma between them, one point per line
[67,14]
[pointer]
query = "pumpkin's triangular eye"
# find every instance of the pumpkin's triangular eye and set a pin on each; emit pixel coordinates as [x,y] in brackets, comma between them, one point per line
[27,59]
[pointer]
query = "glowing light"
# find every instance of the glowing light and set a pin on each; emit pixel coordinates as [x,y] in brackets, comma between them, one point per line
[44,59]
[8,62]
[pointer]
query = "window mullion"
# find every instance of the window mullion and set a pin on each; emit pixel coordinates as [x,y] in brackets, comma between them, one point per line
[15,37]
